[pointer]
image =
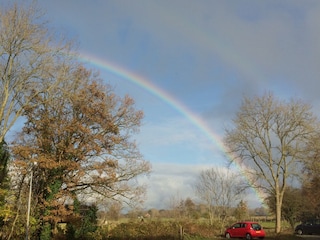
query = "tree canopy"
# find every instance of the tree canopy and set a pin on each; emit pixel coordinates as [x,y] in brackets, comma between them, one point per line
[75,128]
[218,189]
[29,61]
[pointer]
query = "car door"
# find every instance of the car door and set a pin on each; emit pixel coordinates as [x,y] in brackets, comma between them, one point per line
[242,230]
[316,226]
[236,230]
[308,227]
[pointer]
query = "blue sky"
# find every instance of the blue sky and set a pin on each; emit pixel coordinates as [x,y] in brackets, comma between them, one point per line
[206,55]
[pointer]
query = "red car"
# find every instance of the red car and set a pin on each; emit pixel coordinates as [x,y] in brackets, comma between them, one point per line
[248,230]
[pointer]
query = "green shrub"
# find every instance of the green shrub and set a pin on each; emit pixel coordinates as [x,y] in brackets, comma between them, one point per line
[46,232]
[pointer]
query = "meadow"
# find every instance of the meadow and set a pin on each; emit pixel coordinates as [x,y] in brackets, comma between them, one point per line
[177,230]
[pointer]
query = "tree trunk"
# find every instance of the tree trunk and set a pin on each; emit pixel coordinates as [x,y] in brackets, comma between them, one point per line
[210,211]
[278,213]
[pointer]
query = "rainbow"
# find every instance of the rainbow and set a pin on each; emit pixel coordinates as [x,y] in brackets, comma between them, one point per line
[158,92]
[167,98]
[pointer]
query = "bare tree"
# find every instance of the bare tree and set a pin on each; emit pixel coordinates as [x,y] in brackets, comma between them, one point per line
[219,189]
[109,210]
[29,60]
[269,140]
[241,212]
[174,203]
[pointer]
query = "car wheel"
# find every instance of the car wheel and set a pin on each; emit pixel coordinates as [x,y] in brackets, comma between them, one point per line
[299,232]
[248,236]
[228,235]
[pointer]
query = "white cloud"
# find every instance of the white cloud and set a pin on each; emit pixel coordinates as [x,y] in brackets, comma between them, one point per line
[178,140]
[171,181]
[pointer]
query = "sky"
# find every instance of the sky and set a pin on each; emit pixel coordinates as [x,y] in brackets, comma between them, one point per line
[188,64]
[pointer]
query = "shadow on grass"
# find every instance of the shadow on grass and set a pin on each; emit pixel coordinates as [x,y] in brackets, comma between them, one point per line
[283,236]
[146,238]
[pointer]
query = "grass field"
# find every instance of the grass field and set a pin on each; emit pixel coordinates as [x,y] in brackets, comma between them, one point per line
[174,230]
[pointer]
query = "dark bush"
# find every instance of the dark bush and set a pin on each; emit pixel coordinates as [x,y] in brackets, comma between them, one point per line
[158,230]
